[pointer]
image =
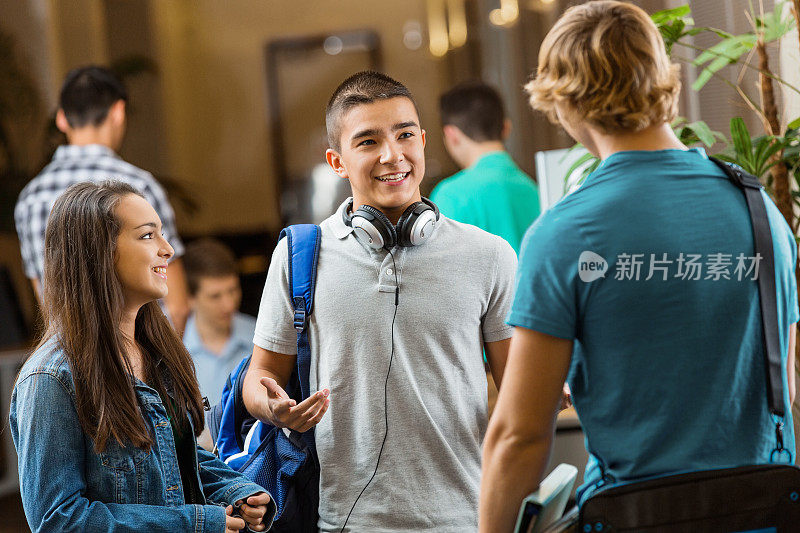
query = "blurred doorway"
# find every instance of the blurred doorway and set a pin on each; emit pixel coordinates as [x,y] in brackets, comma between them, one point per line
[302,72]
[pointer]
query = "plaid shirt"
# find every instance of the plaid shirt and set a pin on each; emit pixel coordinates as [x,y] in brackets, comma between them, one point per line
[71,165]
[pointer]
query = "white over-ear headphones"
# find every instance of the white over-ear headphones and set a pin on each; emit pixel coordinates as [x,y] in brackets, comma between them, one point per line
[374,229]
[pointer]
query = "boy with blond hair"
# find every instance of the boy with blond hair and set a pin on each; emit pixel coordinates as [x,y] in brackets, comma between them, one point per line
[640,286]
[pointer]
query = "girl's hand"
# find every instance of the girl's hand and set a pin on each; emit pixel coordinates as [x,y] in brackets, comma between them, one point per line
[233,524]
[253,510]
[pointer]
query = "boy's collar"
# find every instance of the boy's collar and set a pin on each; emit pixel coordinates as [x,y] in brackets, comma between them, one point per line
[339,228]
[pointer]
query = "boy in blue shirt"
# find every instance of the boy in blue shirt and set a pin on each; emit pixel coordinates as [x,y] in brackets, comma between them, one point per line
[217,335]
[640,286]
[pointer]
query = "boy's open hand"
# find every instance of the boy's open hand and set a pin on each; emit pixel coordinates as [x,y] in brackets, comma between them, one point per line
[284,412]
[253,510]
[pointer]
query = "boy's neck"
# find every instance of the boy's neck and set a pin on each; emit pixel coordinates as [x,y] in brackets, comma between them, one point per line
[102,135]
[212,336]
[393,214]
[478,150]
[658,137]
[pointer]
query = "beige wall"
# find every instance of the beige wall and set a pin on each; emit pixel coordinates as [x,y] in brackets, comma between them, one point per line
[789,62]
[202,119]
[29,23]
[211,56]
[79,32]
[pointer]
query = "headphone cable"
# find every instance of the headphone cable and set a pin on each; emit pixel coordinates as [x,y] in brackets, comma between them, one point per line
[385,393]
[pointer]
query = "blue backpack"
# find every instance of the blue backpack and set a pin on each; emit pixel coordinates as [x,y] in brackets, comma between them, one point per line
[282,461]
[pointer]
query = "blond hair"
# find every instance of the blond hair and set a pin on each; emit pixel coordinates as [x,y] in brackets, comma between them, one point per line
[605,62]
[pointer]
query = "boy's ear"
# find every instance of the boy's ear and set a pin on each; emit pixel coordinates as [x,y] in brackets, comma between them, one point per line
[117,112]
[61,121]
[506,129]
[334,160]
[451,133]
[423,137]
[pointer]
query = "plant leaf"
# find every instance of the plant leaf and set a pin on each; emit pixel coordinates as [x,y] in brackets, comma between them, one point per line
[731,49]
[705,134]
[708,72]
[585,174]
[775,25]
[774,147]
[576,146]
[765,148]
[790,153]
[578,162]
[672,24]
[741,140]
[701,29]
[727,158]
[669,15]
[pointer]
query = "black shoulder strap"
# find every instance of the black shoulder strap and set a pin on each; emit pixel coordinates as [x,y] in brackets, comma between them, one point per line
[762,237]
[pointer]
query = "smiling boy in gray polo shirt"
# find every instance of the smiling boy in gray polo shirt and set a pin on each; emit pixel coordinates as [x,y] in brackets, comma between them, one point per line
[402,312]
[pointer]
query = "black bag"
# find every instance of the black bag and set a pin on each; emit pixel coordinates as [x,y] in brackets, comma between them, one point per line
[759,497]
[733,499]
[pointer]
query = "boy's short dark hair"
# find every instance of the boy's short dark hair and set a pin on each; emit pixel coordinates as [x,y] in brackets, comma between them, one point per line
[476,109]
[361,88]
[88,93]
[207,258]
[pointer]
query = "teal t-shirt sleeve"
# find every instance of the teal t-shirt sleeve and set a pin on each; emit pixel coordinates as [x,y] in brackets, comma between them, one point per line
[791,289]
[785,249]
[547,283]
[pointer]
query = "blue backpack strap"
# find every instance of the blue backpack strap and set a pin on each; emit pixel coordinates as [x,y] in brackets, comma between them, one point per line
[303,242]
[228,415]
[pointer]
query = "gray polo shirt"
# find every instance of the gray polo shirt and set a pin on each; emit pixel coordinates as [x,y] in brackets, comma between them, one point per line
[455,292]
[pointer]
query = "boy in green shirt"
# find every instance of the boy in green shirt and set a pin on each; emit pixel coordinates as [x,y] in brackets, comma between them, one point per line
[491,191]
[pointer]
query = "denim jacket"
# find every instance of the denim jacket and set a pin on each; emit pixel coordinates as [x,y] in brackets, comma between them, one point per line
[66,486]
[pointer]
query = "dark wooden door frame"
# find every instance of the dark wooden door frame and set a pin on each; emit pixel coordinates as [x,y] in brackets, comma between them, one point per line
[361,40]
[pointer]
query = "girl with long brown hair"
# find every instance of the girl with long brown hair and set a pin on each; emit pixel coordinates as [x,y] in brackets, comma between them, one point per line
[105,413]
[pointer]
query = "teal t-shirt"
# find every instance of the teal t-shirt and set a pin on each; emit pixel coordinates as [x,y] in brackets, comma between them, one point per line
[493,194]
[650,268]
